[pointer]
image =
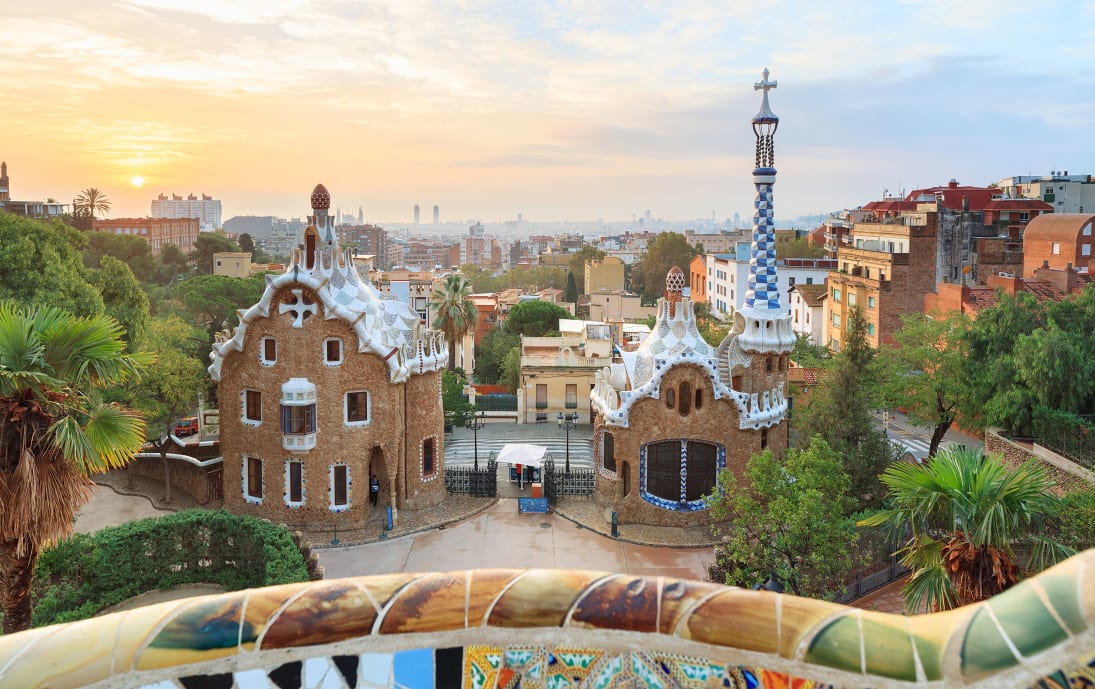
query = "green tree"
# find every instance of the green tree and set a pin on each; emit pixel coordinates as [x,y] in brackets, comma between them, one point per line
[173,262]
[840,411]
[1075,525]
[247,243]
[571,294]
[453,400]
[54,433]
[213,300]
[925,373]
[788,519]
[482,282]
[170,389]
[134,251]
[808,355]
[535,318]
[998,396]
[511,370]
[491,353]
[207,244]
[712,328]
[666,250]
[966,513]
[42,266]
[456,314]
[123,299]
[90,202]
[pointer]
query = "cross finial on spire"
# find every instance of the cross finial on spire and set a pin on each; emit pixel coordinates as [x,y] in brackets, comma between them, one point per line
[765,113]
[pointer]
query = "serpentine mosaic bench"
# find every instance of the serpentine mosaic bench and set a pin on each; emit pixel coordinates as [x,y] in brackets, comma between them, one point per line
[560,629]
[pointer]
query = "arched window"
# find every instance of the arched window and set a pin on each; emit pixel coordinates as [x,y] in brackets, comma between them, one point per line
[767,364]
[699,398]
[670,396]
[685,404]
[680,471]
[764,438]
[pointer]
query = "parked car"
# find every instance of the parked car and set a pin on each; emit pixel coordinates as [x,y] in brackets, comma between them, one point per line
[185,427]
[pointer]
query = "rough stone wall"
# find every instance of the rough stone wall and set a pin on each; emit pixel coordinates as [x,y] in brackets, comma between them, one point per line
[650,421]
[185,476]
[424,418]
[377,446]
[1064,480]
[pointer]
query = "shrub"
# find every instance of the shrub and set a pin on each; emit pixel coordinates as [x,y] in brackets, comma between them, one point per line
[78,577]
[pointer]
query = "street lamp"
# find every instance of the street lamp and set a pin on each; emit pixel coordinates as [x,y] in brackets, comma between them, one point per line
[474,423]
[566,422]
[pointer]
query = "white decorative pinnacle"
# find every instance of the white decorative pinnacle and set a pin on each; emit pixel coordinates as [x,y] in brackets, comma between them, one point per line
[765,85]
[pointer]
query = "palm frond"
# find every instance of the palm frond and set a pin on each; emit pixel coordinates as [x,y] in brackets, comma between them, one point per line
[929,589]
[107,439]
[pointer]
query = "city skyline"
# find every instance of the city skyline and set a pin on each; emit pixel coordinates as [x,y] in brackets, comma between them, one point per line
[556,111]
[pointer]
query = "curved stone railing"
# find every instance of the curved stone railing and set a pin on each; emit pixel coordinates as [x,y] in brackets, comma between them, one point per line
[555,629]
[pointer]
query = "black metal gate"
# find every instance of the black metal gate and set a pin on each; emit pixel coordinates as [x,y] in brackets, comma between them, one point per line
[482,482]
[550,478]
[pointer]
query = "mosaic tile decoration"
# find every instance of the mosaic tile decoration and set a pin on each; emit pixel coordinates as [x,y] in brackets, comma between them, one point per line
[564,629]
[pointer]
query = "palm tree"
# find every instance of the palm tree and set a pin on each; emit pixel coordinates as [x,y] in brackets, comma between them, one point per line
[965,513]
[54,433]
[456,314]
[91,201]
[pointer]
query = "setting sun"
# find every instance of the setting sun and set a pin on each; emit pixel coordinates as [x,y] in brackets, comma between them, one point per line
[137,181]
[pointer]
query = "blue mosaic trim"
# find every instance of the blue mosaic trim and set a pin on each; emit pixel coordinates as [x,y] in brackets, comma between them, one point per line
[763,286]
[681,505]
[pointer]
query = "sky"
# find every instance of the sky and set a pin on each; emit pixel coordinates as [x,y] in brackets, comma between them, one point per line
[555,110]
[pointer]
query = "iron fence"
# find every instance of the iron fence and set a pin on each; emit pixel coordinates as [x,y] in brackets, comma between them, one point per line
[559,482]
[482,482]
[496,402]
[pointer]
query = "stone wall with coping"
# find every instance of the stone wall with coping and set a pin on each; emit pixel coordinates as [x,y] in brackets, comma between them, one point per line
[1067,476]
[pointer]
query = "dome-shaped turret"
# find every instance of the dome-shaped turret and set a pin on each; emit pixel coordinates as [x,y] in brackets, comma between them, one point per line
[674,284]
[321,198]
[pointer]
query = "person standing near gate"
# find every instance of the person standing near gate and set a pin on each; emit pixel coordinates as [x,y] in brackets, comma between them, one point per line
[374,490]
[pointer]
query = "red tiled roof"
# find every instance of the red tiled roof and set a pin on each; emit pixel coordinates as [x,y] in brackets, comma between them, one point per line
[893,205]
[951,195]
[1017,205]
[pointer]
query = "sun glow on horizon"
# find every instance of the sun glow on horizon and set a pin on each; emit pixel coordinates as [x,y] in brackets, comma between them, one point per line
[137,181]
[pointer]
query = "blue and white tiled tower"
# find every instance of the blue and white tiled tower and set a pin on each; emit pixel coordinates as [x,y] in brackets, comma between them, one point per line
[765,327]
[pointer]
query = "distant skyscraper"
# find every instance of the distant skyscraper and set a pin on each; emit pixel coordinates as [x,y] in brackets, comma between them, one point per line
[360,215]
[206,209]
[646,216]
[417,213]
[737,220]
[5,191]
[436,214]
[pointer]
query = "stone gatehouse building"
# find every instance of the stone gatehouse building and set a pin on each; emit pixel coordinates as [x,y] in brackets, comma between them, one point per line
[324,383]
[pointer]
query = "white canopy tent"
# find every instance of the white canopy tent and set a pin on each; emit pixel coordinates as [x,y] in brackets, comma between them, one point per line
[520,453]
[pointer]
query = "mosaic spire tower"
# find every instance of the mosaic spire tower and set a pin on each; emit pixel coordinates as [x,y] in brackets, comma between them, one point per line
[763,288]
[764,326]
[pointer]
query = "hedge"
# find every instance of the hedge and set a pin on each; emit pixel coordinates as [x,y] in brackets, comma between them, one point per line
[84,574]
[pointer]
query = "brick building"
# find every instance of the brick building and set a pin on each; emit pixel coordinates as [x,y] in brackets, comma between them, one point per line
[365,239]
[1060,241]
[158,232]
[887,272]
[323,384]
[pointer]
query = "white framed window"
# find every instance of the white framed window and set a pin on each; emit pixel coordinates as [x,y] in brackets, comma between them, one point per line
[1056,248]
[252,480]
[836,320]
[356,408]
[1085,249]
[251,405]
[332,351]
[429,459]
[870,302]
[268,351]
[851,298]
[339,492]
[571,396]
[294,483]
